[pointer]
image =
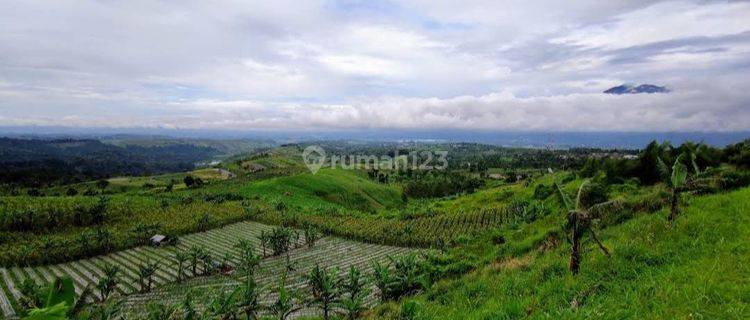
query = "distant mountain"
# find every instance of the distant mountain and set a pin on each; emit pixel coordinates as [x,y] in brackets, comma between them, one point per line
[631,89]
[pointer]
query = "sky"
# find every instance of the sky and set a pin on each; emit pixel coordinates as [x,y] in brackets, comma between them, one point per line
[332,65]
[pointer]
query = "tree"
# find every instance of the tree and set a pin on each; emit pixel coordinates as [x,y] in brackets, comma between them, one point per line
[189,181]
[354,293]
[195,254]
[192,182]
[222,305]
[180,258]
[264,239]
[107,283]
[248,301]
[284,306]
[248,260]
[382,278]
[324,288]
[579,222]
[676,179]
[146,273]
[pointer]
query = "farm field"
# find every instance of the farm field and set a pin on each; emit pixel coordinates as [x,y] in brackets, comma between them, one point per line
[327,253]
[218,242]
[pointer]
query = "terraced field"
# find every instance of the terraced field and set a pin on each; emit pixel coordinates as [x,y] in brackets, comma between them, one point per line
[218,242]
[328,252]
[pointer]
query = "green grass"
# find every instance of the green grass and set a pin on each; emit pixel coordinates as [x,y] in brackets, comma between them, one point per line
[698,268]
[329,188]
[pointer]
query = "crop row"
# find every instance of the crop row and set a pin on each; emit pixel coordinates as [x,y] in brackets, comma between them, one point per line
[417,232]
[87,272]
[327,253]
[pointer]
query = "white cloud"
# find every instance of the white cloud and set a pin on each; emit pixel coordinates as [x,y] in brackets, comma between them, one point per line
[510,65]
[662,22]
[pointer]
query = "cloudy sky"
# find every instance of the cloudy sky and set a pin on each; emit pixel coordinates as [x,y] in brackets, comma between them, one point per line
[432,64]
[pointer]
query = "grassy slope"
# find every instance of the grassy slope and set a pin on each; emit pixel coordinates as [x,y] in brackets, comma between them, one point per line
[697,268]
[327,188]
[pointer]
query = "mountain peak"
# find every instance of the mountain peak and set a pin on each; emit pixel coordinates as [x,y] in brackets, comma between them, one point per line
[633,89]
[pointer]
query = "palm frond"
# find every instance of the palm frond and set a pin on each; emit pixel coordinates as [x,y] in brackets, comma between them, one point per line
[679,172]
[564,196]
[663,169]
[580,193]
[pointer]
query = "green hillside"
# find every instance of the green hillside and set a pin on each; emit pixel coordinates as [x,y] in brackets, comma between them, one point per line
[696,268]
[329,188]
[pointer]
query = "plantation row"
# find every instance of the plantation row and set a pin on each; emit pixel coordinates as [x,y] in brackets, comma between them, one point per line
[59,229]
[328,253]
[216,244]
[442,230]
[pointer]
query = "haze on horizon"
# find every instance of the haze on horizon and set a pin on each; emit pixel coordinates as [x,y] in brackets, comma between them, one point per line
[331,65]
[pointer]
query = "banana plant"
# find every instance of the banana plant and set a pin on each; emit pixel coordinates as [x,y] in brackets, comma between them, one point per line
[579,223]
[324,288]
[676,179]
[146,273]
[60,300]
[107,284]
[284,306]
[248,300]
[181,257]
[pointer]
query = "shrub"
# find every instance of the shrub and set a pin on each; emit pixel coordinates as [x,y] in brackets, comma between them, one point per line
[734,179]
[594,193]
[542,191]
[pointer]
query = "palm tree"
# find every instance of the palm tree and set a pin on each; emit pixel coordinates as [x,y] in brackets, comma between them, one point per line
[249,299]
[107,284]
[249,261]
[208,262]
[579,222]
[195,254]
[180,258]
[324,287]
[263,237]
[676,179]
[355,290]
[222,305]
[283,307]
[146,275]
[105,240]
[381,274]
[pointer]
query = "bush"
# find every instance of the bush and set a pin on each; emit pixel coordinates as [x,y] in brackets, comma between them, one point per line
[192,182]
[734,179]
[594,193]
[542,191]
[440,185]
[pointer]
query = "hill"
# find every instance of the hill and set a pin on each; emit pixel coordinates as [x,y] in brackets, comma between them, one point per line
[329,188]
[696,267]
